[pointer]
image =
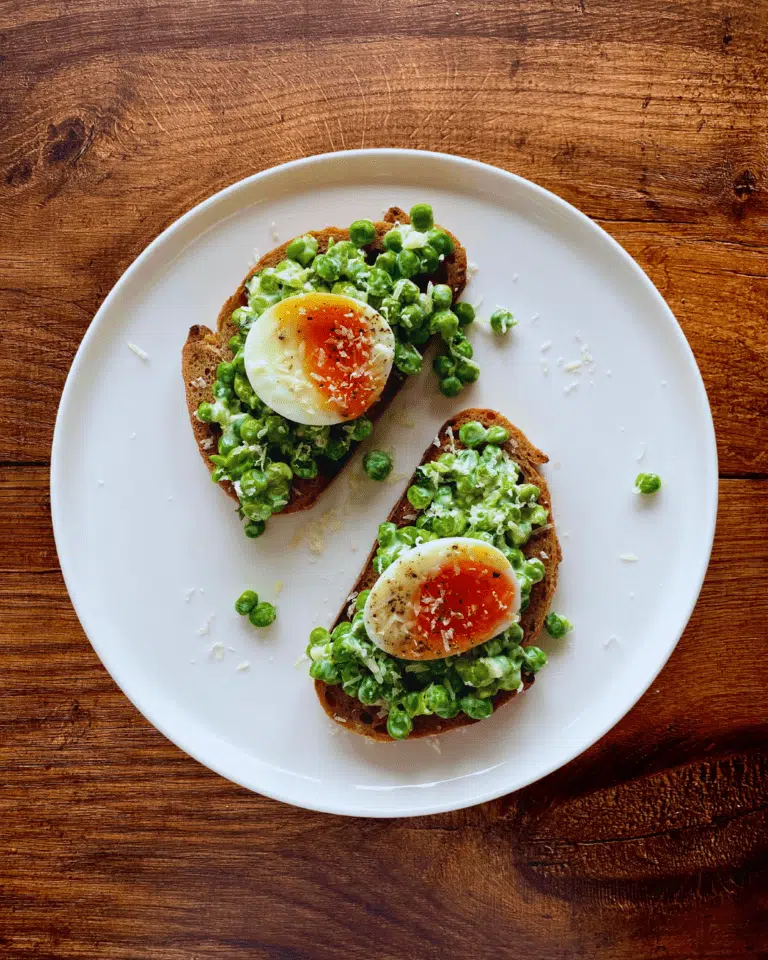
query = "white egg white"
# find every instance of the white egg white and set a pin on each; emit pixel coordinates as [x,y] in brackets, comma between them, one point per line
[389,612]
[274,361]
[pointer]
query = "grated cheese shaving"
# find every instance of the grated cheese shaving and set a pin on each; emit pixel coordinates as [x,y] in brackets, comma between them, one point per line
[141,354]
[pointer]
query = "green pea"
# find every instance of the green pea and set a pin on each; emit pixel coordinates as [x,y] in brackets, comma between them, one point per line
[249,430]
[472,434]
[502,320]
[254,529]
[406,291]
[393,240]
[343,251]
[537,516]
[253,482]
[379,282]
[476,707]
[465,313]
[440,240]
[450,524]
[534,569]
[467,371]
[361,598]
[238,361]
[246,602]
[419,497]
[278,473]
[369,691]
[278,429]
[430,260]
[511,680]
[324,670]
[356,271]
[648,483]
[227,443]
[390,310]
[362,232]
[445,323]
[341,630]
[528,492]
[451,386]
[243,388]
[387,534]
[444,366]
[442,296]
[408,263]
[327,267]
[460,347]
[205,412]
[497,435]
[236,343]
[301,250]
[387,261]
[515,556]
[305,468]
[408,535]
[412,317]
[407,358]
[377,464]
[258,304]
[414,704]
[363,428]
[421,217]
[319,635]
[222,391]
[278,499]
[399,724]
[344,289]
[268,281]
[241,317]
[514,634]
[438,700]
[419,336]
[337,447]
[291,276]
[534,659]
[557,626]
[262,614]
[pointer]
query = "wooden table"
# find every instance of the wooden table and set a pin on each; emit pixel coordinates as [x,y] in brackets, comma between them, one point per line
[119,115]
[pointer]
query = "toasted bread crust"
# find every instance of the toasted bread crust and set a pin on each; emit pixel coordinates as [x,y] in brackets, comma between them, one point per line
[204,350]
[355,716]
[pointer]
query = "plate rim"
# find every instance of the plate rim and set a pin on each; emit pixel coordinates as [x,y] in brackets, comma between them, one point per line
[362,809]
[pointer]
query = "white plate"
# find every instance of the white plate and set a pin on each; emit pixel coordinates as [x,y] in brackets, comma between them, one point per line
[138,522]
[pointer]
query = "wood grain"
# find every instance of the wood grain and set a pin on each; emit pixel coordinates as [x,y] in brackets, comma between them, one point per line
[653,119]
[115,118]
[116,844]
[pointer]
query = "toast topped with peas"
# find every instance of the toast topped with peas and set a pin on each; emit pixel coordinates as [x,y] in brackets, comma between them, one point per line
[311,349]
[439,629]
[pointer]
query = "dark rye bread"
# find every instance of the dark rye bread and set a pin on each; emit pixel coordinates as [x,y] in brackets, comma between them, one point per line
[358,718]
[204,350]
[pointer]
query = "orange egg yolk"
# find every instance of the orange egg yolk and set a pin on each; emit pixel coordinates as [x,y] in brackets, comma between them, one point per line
[463,601]
[337,352]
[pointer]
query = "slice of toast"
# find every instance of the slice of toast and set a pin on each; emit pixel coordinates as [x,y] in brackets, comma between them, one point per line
[354,715]
[205,349]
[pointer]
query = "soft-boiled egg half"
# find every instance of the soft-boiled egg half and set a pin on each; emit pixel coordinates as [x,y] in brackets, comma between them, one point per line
[319,358]
[441,598]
